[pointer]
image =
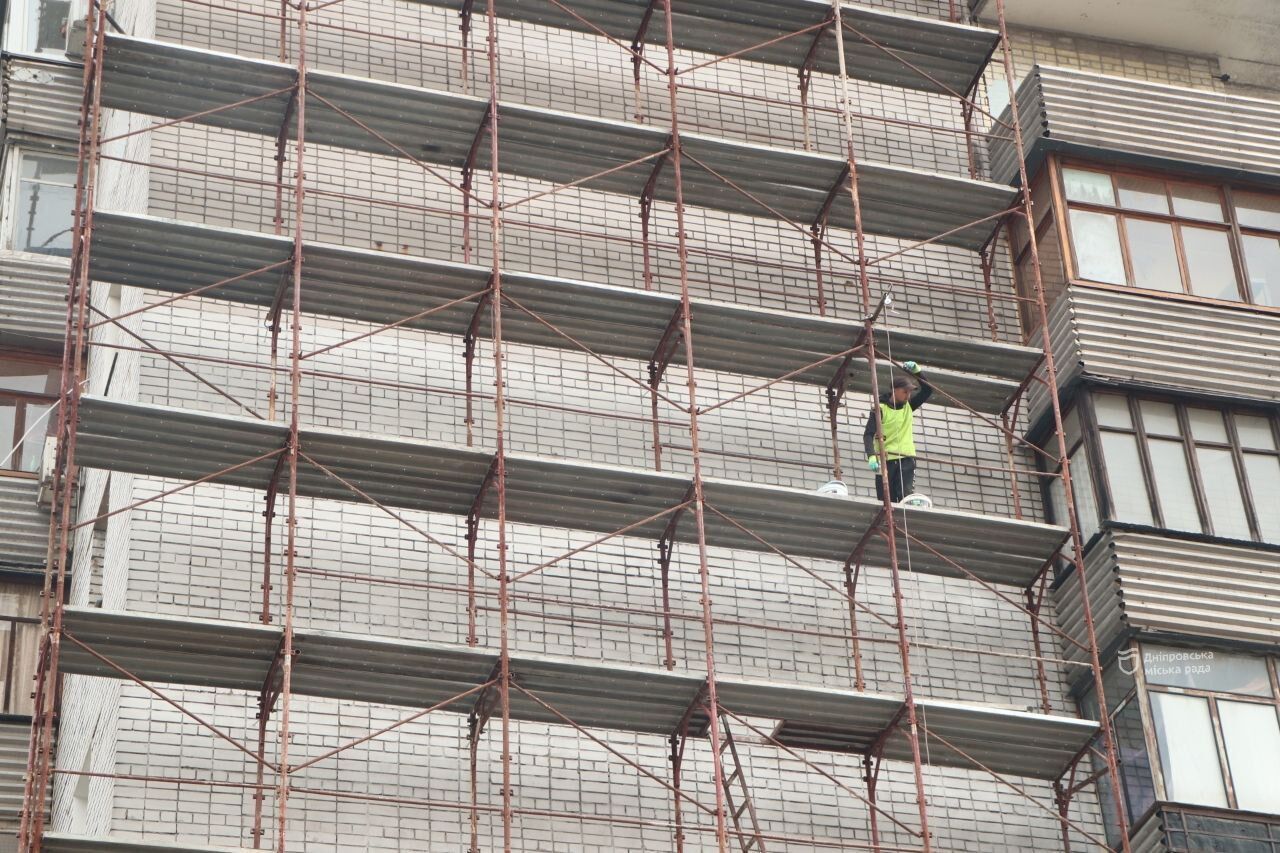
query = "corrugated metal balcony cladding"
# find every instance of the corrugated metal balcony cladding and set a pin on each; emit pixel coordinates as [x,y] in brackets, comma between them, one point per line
[1135,121]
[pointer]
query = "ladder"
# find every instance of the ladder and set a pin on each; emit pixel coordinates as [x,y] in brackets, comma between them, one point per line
[748,832]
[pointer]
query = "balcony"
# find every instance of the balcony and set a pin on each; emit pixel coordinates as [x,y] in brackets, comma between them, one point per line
[1162,586]
[1177,829]
[1142,124]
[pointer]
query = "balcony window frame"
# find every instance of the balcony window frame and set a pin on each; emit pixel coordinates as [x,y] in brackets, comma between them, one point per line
[1190,443]
[10,192]
[19,16]
[1229,225]
[1145,692]
[25,404]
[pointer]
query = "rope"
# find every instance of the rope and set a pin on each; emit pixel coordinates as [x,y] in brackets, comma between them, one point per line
[906,533]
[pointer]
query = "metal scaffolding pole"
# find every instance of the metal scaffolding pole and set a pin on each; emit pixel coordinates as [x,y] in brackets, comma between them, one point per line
[889,519]
[1077,541]
[696,491]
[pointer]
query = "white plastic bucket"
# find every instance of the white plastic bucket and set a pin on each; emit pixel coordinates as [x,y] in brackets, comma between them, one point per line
[835,489]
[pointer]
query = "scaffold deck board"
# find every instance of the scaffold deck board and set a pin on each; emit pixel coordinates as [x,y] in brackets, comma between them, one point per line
[62,842]
[228,655]
[181,444]
[622,322]
[953,55]
[170,81]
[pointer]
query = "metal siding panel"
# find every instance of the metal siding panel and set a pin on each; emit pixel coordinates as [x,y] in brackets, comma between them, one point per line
[25,526]
[1066,353]
[33,306]
[1179,586]
[1109,618]
[1149,837]
[42,98]
[1180,345]
[14,735]
[1165,122]
[1137,119]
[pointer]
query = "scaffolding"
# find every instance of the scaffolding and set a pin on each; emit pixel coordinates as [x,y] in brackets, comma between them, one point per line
[298,106]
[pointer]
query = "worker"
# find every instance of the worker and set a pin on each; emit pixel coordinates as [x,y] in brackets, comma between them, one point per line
[896,410]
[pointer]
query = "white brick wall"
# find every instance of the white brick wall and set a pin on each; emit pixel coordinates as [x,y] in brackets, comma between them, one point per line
[199,552]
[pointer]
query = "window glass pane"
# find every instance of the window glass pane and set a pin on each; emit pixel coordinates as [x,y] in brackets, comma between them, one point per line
[1082,488]
[1188,753]
[29,377]
[1255,432]
[1112,410]
[1152,253]
[1173,485]
[1206,669]
[49,168]
[1209,263]
[1255,210]
[1251,734]
[1090,187]
[42,219]
[1262,254]
[8,414]
[1097,245]
[35,427]
[1264,486]
[1197,201]
[1222,492]
[1135,764]
[1142,193]
[46,26]
[1207,425]
[1159,418]
[1124,472]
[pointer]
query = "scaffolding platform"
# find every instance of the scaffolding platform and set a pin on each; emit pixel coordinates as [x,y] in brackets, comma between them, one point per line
[181,444]
[357,667]
[170,81]
[953,55]
[63,842]
[382,288]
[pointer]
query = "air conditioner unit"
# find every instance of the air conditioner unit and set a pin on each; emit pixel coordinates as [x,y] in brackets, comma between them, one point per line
[48,461]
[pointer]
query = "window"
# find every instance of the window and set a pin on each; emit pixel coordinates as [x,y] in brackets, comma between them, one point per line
[28,393]
[1165,234]
[1188,467]
[1134,763]
[1217,726]
[1081,481]
[40,196]
[19,639]
[39,27]
[1052,275]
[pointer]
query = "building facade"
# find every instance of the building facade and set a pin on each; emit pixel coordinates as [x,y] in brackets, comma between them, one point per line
[591,598]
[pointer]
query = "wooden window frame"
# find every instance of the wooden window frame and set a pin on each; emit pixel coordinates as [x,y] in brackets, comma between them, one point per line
[1145,691]
[1230,225]
[25,399]
[1102,487]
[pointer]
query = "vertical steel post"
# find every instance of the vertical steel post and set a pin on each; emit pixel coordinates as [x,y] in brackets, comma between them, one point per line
[287,651]
[500,426]
[1051,371]
[708,627]
[75,341]
[904,645]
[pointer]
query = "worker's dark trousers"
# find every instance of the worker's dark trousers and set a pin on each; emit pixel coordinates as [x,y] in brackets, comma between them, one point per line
[902,479]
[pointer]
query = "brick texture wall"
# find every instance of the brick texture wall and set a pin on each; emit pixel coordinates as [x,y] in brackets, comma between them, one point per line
[199,552]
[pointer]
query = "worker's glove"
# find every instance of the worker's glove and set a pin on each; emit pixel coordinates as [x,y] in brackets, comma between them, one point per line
[873,463]
[911,367]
